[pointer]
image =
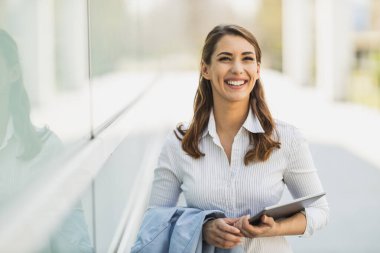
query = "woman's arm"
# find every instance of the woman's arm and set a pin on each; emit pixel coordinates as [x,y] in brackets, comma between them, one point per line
[166,186]
[294,225]
[301,178]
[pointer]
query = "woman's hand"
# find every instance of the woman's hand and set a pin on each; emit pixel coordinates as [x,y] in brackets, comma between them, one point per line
[267,227]
[221,233]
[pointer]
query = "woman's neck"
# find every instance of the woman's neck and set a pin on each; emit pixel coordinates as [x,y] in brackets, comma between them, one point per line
[230,117]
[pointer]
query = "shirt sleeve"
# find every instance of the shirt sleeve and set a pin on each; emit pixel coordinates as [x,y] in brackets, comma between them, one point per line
[166,186]
[302,179]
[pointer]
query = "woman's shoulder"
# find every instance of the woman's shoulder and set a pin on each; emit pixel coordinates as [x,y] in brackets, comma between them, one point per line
[174,136]
[287,132]
[284,126]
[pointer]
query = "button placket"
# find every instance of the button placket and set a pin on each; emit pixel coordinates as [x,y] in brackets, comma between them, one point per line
[234,170]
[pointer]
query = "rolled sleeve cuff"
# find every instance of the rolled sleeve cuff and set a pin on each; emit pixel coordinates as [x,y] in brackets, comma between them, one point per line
[309,228]
[315,220]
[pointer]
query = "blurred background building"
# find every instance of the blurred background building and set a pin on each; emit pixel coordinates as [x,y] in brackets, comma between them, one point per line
[105,81]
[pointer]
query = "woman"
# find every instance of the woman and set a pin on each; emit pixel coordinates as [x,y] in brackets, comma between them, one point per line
[234,157]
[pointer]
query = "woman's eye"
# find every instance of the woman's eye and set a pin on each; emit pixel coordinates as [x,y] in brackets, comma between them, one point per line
[248,59]
[224,59]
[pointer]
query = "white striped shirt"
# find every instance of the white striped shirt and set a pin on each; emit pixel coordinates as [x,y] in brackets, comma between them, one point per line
[211,182]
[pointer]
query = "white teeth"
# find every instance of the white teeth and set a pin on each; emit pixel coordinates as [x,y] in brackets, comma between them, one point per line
[236,83]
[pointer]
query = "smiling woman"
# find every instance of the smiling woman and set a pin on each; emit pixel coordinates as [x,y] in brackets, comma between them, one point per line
[234,157]
[230,55]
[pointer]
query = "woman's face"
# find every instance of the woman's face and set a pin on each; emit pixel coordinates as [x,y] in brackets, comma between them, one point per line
[233,70]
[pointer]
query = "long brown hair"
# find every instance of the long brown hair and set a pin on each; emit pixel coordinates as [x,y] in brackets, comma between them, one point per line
[263,143]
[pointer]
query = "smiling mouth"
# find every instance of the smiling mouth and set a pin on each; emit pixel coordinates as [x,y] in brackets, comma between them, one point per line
[235,83]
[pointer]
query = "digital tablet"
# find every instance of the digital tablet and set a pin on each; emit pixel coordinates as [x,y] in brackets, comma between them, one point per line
[286,210]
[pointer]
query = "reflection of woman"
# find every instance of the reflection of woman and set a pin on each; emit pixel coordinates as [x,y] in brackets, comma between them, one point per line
[23,146]
[25,149]
[234,157]
[15,108]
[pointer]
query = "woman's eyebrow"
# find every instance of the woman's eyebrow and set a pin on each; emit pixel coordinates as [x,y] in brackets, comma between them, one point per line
[230,54]
[226,53]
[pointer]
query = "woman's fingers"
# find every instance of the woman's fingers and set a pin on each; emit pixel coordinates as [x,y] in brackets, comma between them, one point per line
[254,231]
[220,234]
[224,226]
[231,221]
[228,232]
[225,244]
[228,237]
[267,220]
[247,228]
[267,227]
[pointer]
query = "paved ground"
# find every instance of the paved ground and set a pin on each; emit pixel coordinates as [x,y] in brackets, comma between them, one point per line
[344,140]
[353,188]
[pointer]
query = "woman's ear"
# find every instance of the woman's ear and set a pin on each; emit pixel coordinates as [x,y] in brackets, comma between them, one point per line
[205,71]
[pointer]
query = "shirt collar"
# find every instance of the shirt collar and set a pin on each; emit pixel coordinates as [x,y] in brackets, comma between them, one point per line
[251,124]
[211,127]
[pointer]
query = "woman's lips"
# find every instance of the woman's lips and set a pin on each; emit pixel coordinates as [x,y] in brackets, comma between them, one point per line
[235,84]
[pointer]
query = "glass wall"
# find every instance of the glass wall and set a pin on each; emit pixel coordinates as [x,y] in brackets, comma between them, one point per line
[44,105]
[44,89]
[50,57]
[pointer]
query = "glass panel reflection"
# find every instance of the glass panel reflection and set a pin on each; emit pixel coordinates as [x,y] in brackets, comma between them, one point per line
[44,106]
[25,147]
[73,234]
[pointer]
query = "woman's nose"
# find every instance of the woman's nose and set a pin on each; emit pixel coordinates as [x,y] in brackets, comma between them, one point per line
[237,68]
